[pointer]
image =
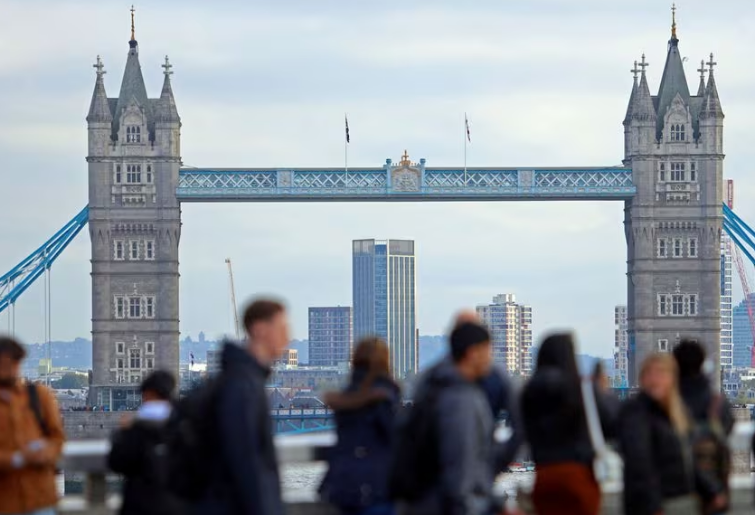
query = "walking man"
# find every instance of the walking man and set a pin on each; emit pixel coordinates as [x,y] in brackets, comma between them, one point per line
[31,439]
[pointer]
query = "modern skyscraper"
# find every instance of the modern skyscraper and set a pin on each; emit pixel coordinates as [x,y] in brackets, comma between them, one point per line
[384,289]
[329,336]
[621,345]
[510,325]
[727,348]
[742,337]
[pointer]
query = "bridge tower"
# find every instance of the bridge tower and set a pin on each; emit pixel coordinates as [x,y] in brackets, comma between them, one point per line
[674,145]
[135,225]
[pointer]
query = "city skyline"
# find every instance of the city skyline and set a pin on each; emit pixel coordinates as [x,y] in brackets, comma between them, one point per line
[382,123]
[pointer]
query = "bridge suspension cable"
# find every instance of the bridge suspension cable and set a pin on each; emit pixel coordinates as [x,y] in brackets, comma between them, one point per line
[14,283]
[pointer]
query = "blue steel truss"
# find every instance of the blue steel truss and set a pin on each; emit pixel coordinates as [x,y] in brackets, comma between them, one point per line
[403,182]
[741,233]
[16,282]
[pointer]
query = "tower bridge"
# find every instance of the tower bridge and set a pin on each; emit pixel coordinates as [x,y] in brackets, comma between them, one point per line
[670,182]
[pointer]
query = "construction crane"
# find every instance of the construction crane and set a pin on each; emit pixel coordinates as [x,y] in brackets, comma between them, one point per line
[742,272]
[233,298]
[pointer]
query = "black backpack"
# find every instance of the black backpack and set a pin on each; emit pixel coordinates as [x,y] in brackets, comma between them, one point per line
[190,437]
[415,460]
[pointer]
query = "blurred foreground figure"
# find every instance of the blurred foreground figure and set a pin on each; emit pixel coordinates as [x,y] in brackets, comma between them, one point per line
[31,439]
[654,436]
[712,423]
[358,466]
[443,463]
[139,451]
[556,426]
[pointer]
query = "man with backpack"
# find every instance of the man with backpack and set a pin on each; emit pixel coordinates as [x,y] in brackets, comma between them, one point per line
[223,456]
[31,439]
[443,461]
[712,424]
[139,451]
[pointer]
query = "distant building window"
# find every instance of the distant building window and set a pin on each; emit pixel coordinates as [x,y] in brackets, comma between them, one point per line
[677,247]
[119,346]
[150,347]
[662,345]
[118,253]
[662,172]
[135,358]
[149,250]
[677,305]
[117,174]
[677,132]
[678,172]
[149,174]
[134,174]
[134,250]
[134,307]
[120,307]
[693,171]
[692,247]
[133,134]
[662,248]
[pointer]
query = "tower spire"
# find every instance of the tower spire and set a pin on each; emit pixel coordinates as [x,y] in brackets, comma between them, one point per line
[99,109]
[167,111]
[133,30]
[642,108]
[711,103]
[702,70]
[673,21]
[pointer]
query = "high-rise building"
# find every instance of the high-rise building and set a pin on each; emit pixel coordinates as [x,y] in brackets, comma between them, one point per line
[727,342]
[329,336]
[510,326]
[384,289]
[742,337]
[620,348]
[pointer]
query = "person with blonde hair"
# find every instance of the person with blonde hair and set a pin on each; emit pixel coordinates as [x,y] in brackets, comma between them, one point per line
[654,429]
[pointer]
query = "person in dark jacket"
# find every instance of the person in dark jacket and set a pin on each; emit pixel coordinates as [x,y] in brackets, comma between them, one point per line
[463,426]
[705,407]
[138,451]
[245,478]
[653,433]
[556,428]
[357,477]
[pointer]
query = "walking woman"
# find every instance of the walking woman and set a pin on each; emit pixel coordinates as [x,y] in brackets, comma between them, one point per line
[357,477]
[556,428]
[653,431]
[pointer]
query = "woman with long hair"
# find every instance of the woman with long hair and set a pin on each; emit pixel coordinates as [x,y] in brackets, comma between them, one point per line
[556,428]
[357,477]
[654,435]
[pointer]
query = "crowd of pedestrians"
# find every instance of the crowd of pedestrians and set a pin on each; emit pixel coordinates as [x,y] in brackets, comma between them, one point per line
[212,452]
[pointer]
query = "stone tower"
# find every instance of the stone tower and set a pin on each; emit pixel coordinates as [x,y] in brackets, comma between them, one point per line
[135,225]
[673,143]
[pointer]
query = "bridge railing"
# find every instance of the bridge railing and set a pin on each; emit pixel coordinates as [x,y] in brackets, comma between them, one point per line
[88,457]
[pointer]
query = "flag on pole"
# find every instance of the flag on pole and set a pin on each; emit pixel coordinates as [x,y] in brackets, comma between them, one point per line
[348,139]
[466,125]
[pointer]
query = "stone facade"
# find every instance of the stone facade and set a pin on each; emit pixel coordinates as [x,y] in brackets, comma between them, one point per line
[674,145]
[135,227]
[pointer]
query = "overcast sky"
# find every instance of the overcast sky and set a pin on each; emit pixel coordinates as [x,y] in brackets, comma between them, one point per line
[544,83]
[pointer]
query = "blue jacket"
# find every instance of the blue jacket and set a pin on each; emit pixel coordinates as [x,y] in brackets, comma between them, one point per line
[245,478]
[358,466]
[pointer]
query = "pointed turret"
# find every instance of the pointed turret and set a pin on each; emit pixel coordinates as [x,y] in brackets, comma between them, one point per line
[628,116]
[702,70]
[167,111]
[132,85]
[643,109]
[674,81]
[711,103]
[99,109]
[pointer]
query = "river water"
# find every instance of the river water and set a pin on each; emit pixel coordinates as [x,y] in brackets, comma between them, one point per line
[301,480]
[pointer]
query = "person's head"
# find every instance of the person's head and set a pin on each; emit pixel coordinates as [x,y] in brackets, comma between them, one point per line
[266,325]
[372,357]
[471,350]
[557,351]
[659,381]
[158,386]
[689,356]
[12,353]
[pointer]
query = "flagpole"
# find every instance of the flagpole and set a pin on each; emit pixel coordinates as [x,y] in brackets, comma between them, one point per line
[346,151]
[466,124]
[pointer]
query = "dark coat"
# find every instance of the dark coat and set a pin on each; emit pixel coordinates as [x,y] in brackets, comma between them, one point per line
[504,401]
[555,422]
[657,461]
[245,478]
[698,397]
[358,466]
[138,453]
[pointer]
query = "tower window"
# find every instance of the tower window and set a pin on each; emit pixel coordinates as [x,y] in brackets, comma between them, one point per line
[662,172]
[118,252]
[150,347]
[149,250]
[662,345]
[134,251]
[134,307]
[149,307]
[120,307]
[133,134]
[678,172]
[150,363]
[120,363]
[117,174]
[149,174]
[663,307]
[677,305]
[692,247]
[133,174]
[662,248]
[135,359]
[677,132]
[693,171]
[692,305]
[119,346]
[677,247]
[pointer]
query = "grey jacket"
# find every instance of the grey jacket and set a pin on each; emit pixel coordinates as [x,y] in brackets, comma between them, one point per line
[465,446]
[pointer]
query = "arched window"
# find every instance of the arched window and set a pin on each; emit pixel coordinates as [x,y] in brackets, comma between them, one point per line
[677,132]
[133,134]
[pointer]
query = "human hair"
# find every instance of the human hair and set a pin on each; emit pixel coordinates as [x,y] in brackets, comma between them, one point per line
[557,352]
[261,310]
[673,404]
[161,383]
[372,357]
[12,348]
[466,335]
[689,356]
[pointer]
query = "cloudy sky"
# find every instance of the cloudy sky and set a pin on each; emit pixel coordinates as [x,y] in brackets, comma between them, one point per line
[544,82]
